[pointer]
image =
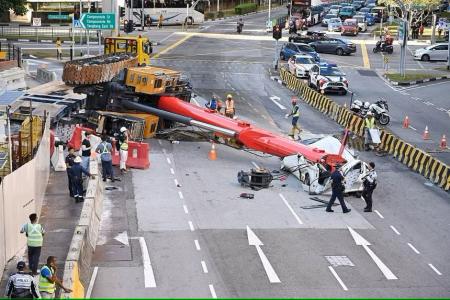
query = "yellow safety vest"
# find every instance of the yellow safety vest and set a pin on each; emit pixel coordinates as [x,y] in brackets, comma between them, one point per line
[369,123]
[295,111]
[124,146]
[34,235]
[229,106]
[44,284]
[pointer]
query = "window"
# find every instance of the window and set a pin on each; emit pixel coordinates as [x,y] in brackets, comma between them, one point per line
[158,83]
[139,79]
[132,77]
[441,47]
[144,80]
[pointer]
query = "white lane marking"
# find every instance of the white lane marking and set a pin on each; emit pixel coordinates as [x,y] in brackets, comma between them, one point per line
[180,194]
[164,39]
[253,240]
[428,103]
[164,151]
[186,211]
[435,270]
[176,182]
[205,269]
[379,214]
[441,109]
[424,86]
[212,291]
[168,160]
[195,101]
[415,98]
[251,105]
[344,287]
[255,164]
[159,142]
[413,248]
[197,245]
[275,100]
[172,171]
[191,226]
[290,208]
[233,88]
[394,229]
[412,128]
[91,283]
[149,276]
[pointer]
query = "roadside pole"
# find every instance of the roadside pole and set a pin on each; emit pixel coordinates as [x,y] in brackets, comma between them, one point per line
[81,31]
[433,30]
[218,5]
[88,33]
[275,58]
[448,54]
[270,6]
[187,15]
[142,16]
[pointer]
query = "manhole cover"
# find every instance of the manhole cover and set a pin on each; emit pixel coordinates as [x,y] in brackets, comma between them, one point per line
[367,73]
[336,261]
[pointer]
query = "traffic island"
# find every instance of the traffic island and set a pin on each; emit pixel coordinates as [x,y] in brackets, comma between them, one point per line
[413,78]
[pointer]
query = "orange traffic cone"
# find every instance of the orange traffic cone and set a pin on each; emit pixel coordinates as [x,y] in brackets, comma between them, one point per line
[443,143]
[212,155]
[426,134]
[406,122]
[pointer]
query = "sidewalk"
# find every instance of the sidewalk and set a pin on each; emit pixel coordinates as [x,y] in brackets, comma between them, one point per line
[59,216]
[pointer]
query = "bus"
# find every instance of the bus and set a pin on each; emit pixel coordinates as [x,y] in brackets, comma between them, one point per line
[174,12]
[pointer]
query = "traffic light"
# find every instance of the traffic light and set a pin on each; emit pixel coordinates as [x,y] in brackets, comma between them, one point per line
[277,32]
[122,12]
[129,27]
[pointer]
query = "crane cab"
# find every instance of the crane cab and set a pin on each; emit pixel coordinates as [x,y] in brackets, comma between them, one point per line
[139,46]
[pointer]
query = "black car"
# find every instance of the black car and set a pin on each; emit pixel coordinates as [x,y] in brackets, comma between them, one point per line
[334,46]
[310,36]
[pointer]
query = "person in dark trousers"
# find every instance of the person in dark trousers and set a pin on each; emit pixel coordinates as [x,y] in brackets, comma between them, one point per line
[76,172]
[104,149]
[21,284]
[337,190]
[69,163]
[86,151]
[369,185]
[35,237]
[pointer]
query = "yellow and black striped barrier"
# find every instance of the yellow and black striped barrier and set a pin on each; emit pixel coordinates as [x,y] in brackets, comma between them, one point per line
[415,158]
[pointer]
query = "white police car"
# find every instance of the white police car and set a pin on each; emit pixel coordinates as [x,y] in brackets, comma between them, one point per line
[328,78]
[301,64]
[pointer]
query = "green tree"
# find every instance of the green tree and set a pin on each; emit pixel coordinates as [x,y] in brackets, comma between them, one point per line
[419,9]
[18,6]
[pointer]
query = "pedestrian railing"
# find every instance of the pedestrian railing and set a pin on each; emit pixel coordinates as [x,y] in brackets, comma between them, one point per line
[46,33]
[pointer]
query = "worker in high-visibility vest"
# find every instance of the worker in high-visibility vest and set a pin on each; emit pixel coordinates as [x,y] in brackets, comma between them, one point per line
[369,123]
[230,110]
[58,48]
[123,149]
[35,237]
[48,280]
[295,114]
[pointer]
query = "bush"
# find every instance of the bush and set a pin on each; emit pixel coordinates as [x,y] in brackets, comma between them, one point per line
[220,14]
[245,8]
[209,16]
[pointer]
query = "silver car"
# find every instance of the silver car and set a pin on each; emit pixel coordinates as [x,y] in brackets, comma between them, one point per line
[433,52]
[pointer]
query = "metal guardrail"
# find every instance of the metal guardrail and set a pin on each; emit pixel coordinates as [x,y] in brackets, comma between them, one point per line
[36,33]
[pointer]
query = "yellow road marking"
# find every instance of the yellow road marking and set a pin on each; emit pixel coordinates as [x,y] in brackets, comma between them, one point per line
[174,45]
[365,55]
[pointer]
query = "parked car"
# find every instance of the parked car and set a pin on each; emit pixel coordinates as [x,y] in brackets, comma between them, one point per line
[327,18]
[347,12]
[334,9]
[308,37]
[350,26]
[334,46]
[328,78]
[362,23]
[433,52]
[334,24]
[290,49]
[300,65]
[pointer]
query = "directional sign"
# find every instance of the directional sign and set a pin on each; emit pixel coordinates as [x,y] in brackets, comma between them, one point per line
[98,21]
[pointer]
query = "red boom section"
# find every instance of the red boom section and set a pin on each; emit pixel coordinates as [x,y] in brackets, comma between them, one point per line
[252,137]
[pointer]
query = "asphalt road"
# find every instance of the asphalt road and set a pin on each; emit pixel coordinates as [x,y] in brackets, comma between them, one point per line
[188,211]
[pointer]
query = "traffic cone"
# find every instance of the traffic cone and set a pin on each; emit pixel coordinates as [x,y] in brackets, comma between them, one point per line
[443,143]
[406,122]
[212,155]
[426,134]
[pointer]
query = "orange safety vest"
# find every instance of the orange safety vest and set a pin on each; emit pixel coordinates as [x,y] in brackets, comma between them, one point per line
[229,106]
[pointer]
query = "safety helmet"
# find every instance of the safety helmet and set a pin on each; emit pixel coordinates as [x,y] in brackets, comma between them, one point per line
[21,265]
[77,160]
[123,129]
[369,113]
[366,104]
[229,96]
[357,103]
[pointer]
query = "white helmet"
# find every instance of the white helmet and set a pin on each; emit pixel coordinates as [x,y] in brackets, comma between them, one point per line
[77,160]
[123,129]
[366,104]
[370,113]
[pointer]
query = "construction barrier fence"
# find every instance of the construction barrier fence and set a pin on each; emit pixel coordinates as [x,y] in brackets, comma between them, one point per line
[411,156]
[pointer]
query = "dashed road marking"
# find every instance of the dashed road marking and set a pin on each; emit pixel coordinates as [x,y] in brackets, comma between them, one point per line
[180,194]
[186,211]
[412,128]
[415,98]
[176,182]
[428,103]
[255,164]
[344,287]
[204,267]
[379,214]
[413,248]
[435,270]
[212,291]
[191,226]
[168,160]
[172,171]
[159,142]
[291,210]
[395,230]
[197,245]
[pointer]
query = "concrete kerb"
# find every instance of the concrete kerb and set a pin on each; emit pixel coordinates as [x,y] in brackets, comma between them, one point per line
[415,82]
[77,265]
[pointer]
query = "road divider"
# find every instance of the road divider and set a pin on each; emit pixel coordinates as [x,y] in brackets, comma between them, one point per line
[415,158]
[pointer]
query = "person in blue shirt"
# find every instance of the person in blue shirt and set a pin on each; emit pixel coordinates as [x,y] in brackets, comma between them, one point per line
[76,173]
[337,190]
[212,104]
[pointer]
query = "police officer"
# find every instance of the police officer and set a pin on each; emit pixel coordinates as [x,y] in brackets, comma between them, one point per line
[369,184]
[295,114]
[48,279]
[337,190]
[21,284]
[35,238]
[76,172]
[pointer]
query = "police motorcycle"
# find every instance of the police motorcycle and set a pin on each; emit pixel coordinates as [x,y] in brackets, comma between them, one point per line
[240,25]
[379,109]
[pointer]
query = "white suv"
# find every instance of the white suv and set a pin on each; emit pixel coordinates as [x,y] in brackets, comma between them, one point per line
[300,65]
[328,78]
